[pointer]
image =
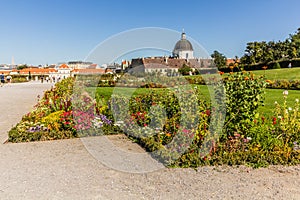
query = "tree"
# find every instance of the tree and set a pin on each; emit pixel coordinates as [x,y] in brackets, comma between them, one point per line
[185,69]
[276,66]
[22,67]
[266,52]
[219,59]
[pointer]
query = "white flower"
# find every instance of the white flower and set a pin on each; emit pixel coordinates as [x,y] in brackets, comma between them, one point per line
[285,92]
[276,102]
[297,100]
[249,138]
[290,109]
[119,123]
[279,117]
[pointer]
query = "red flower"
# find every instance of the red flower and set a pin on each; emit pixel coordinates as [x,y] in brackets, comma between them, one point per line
[274,120]
[207,112]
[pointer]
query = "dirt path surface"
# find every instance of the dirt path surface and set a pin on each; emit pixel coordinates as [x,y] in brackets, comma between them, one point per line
[66,169]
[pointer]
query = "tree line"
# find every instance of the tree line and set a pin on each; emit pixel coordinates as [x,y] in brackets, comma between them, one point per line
[264,53]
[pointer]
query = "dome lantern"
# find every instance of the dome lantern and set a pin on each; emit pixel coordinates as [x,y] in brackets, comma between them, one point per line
[183,48]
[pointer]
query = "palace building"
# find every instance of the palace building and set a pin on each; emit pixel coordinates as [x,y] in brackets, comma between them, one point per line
[182,55]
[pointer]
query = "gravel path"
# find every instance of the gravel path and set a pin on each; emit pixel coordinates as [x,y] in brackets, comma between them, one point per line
[66,169]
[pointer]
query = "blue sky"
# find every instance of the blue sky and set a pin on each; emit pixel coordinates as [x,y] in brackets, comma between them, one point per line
[40,32]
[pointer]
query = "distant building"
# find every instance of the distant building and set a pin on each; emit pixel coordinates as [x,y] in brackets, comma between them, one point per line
[183,48]
[79,64]
[5,72]
[231,61]
[169,66]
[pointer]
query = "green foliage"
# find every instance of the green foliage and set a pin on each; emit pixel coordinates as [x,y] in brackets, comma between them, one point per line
[18,79]
[185,69]
[287,121]
[156,119]
[244,94]
[22,67]
[266,52]
[284,84]
[219,59]
[276,66]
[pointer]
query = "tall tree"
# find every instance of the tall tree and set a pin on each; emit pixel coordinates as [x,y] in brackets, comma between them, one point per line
[265,52]
[219,59]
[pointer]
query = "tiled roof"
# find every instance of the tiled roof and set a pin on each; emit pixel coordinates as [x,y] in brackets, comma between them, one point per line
[231,61]
[35,70]
[64,66]
[5,72]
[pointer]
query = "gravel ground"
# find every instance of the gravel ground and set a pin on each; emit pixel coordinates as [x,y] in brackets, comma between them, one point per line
[67,169]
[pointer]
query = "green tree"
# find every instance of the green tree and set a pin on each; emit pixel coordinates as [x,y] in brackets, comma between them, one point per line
[22,67]
[295,44]
[276,66]
[185,69]
[219,59]
[266,52]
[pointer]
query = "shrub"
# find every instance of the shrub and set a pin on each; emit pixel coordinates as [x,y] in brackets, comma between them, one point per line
[244,93]
[284,84]
[276,66]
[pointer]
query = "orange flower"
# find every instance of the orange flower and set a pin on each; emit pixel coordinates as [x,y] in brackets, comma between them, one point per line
[246,78]
[168,134]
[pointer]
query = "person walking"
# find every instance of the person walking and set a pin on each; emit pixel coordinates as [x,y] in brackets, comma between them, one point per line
[8,79]
[2,79]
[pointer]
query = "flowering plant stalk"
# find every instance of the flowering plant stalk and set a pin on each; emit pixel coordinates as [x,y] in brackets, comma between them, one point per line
[287,121]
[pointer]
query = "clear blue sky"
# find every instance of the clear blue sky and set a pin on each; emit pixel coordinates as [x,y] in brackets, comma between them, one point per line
[44,31]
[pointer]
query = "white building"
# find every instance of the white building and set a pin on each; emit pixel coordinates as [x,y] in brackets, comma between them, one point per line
[183,48]
[62,72]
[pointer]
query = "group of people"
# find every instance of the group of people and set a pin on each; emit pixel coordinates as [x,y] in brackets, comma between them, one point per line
[3,79]
[52,79]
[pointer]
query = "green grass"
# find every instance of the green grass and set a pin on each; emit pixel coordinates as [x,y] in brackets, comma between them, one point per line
[280,74]
[271,95]
[105,93]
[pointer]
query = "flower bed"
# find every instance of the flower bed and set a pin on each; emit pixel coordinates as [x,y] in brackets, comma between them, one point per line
[173,125]
[56,116]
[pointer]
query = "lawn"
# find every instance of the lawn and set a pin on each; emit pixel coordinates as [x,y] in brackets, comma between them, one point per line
[271,95]
[280,74]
